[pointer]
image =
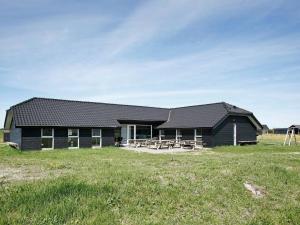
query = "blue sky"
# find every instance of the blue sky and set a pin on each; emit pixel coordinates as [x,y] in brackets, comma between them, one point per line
[159,52]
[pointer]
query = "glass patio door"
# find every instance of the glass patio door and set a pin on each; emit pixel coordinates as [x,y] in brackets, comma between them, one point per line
[139,132]
[131,132]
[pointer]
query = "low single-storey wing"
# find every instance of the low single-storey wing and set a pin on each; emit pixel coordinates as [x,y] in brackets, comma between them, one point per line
[280,130]
[42,123]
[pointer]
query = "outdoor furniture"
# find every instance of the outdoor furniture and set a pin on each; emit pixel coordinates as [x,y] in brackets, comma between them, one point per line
[154,144]
[137,142]
[159,144]
[191,144]
[185,144]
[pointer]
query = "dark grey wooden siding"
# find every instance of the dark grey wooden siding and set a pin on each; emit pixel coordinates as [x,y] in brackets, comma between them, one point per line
[207,137]
[223,134]
[245,129]
[85,138]
[31,138]
[108,136]
[60,138]
[15,135]
[6,137]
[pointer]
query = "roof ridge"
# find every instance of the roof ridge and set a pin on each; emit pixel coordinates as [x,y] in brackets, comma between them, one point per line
[25,101]
[225,106]
[229,106]
[170,111]
[80,101]
[215,103]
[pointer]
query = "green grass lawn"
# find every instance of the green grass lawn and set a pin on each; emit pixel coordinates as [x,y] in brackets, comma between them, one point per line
[1,135]
[275,139]
[113,186]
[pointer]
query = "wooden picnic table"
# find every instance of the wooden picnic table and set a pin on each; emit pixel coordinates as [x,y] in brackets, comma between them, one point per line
[191,143]
[137,142]
[159,144]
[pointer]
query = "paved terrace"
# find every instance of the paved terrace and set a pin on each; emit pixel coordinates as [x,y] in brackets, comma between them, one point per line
[163,151]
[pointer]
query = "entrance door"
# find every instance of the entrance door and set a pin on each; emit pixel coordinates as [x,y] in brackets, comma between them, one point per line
[234,134]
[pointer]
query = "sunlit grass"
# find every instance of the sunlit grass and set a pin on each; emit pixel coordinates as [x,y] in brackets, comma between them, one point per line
[113,186]
[1,135]
[275,139]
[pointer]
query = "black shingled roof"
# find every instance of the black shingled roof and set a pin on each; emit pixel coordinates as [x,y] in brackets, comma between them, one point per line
[201,115]
[68,113]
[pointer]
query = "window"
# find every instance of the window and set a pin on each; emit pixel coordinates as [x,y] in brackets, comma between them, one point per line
[73,138]
[143,132]
[139,132]
[198,134]
[96,138]
[47,135]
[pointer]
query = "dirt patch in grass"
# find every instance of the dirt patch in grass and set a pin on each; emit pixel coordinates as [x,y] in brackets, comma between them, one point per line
[10,174]
[257,191]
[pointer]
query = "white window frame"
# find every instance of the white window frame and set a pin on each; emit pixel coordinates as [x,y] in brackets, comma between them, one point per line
[97,136]
[197,135]
[73,137]
[42,136]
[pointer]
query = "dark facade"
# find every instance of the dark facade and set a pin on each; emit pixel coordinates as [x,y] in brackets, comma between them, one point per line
[280,130]
[218,123]
[224,133]
[31,138]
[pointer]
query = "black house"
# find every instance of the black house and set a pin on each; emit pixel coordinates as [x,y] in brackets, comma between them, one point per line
[41,123]
[280,130]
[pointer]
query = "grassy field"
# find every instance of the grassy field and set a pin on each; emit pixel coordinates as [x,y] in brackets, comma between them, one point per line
[275,139]
[113,186]
[1,135]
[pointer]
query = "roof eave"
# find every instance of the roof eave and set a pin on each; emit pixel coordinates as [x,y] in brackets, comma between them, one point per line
[250,115]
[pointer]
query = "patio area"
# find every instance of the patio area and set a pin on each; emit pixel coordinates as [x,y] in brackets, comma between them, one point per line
[164,146]
[163,150]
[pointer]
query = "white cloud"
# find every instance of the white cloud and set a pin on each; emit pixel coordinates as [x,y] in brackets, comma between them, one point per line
[64,56]
[157,18]
[220,63]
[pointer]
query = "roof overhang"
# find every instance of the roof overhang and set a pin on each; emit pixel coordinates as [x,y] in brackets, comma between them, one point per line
[255,122]
[251,117]
[8,119]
